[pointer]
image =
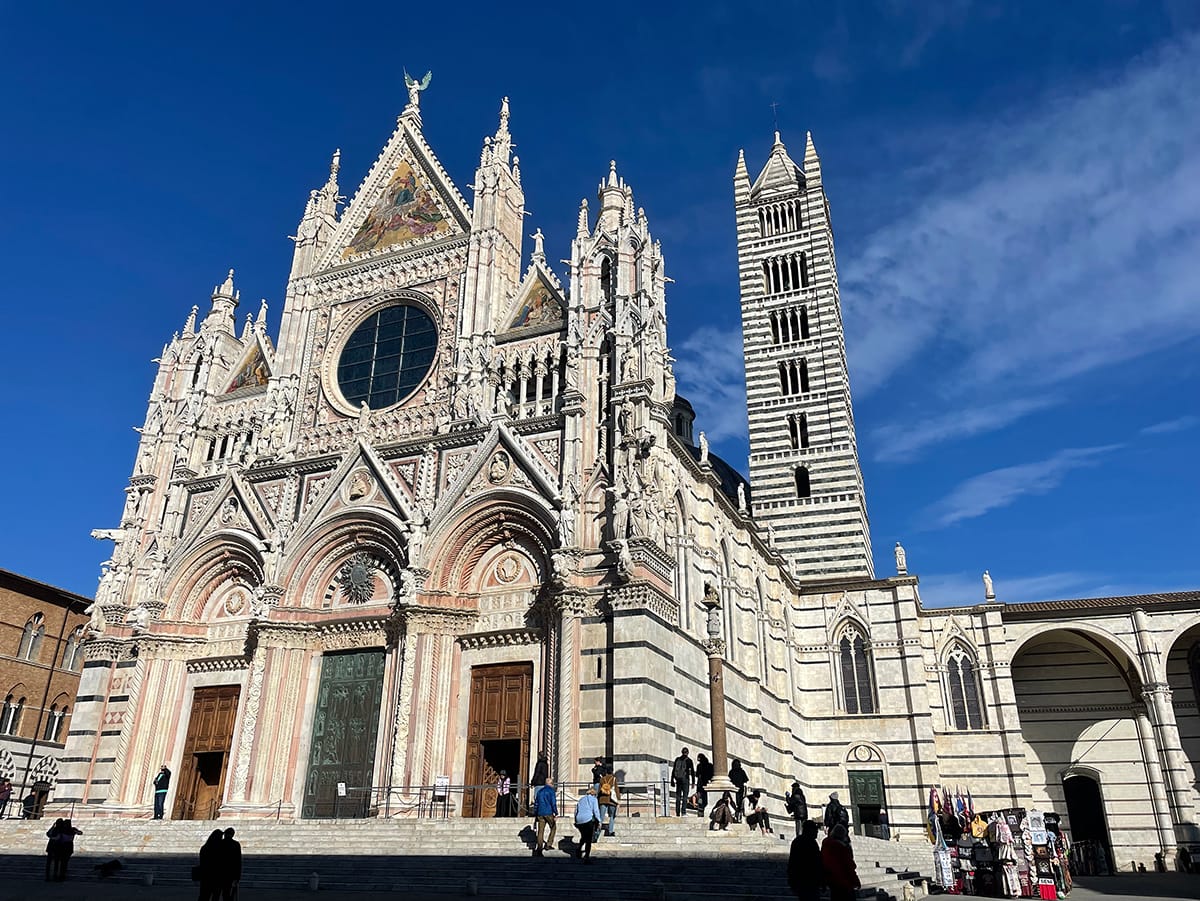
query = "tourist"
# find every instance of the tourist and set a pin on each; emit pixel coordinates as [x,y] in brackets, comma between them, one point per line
[503,795]
[545,811]
[587,821]
[59,848]
[541,772]
[608,796]
[161,783]
[704,775]
[836,814]
[795,804]
[757,817]
[739,778]
[208,871]
[885,825]
[598,771]
[805,872]
[5,795]
[229,866]
[683,774]
[722,813]
[838,861]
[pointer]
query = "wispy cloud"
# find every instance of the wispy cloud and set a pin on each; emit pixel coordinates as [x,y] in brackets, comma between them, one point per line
[1001,487]
[712,377]
[961,589]
[1169,426]
[902,441]
[1040,245]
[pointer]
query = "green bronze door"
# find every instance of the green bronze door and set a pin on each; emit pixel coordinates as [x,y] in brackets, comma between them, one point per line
[341,758]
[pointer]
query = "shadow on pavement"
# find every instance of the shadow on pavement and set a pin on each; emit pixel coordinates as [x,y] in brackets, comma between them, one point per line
[1140,885]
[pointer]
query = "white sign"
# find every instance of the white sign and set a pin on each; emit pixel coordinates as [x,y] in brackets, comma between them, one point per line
[441,787]
[341,789]
[664,772]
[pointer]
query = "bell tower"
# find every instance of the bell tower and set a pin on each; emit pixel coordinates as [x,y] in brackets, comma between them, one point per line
[804,469]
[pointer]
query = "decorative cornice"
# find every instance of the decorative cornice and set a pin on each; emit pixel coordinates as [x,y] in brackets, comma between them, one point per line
[641,595]
[475,641]
[437,621]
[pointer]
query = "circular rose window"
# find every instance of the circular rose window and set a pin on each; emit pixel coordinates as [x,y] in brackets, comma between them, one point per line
[387,356]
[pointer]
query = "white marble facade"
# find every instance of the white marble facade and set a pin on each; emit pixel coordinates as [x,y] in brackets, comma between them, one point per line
[532,494]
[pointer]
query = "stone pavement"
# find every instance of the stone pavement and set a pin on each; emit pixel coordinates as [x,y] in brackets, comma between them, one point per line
[1147,886]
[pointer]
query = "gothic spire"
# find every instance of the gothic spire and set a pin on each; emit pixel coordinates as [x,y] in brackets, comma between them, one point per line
[224,302]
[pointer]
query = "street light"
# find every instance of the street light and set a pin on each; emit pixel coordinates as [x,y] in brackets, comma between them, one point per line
[715,648]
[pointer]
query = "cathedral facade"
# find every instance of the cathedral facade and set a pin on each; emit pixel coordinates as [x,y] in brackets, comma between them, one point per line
[458,515]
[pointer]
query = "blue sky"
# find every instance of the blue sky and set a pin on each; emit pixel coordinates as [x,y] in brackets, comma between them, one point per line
[1015,191]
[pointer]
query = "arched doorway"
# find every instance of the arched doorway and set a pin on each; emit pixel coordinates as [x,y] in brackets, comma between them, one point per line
[1089,825]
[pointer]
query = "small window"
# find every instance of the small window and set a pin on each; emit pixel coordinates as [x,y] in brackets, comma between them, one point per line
[73,653]
[10,717]
[31,637]
[803,488]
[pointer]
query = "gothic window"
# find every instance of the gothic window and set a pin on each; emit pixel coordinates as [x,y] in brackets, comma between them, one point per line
[804,332]
[783,378]
[55,723]
[73,652]
[10,716]
[31,637]
[803,368]
[387,357]
[858,681]
[793,432]
[803,488]
[802,429]
[196,371]
[607,290]
[803,270]
[962,687]
[774,329]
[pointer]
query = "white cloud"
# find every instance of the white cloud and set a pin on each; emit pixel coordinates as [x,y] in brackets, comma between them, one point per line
[1169,426]
[1001,487]
[902,441]
[712,377]
[1040,246]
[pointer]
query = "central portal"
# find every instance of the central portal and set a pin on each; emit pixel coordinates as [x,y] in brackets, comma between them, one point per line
[341,760]
[206,752]
[497,735]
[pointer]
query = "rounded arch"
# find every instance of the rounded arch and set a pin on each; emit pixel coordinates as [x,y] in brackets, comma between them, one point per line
[494,518]
[228,555]
[310,569]
[1092,637]
[1189,623]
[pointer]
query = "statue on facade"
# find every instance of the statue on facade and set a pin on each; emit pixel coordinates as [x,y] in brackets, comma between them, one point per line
[415,88]
[741,497]
[96,622]
[139,618]
[901,560]
[989,591]
[619,523]
[624,559]
[703,449]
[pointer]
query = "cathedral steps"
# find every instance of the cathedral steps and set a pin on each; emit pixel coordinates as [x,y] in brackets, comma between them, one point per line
[436,856]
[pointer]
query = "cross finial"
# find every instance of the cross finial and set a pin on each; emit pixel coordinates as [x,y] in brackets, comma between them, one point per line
[775,113]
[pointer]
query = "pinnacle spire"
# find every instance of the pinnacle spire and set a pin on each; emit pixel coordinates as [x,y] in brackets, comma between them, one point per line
[260,324]
[582,229]
[612,173]
[224,302]
[189,327]
[248,328]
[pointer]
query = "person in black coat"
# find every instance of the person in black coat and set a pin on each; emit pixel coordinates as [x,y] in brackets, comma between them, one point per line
[836,814]
[805,872]
[229,863]
[704,775]
[208,872]
[795,804]
[541,772]
[739,778]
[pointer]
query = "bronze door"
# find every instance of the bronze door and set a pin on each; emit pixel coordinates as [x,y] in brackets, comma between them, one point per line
[497,733]
[345,728]
[206,750]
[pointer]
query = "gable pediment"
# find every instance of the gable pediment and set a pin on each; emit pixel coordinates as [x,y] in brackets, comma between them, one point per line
[538,306]
[253,370]
[360,480]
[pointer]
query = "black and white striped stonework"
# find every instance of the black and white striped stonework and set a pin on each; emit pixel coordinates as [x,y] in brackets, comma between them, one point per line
[804,467]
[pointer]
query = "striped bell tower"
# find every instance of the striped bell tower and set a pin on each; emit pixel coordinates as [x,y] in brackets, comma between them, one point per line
[804,469]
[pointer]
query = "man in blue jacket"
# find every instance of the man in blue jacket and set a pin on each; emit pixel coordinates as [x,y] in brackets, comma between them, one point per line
[545,809]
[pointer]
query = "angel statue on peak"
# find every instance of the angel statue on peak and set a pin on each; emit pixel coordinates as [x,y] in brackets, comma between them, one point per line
[416,87]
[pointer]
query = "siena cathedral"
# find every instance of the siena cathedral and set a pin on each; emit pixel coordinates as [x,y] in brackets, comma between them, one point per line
[457,514]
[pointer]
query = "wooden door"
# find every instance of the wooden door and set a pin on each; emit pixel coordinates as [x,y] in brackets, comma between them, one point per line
[501,709]
[345,728]
[205,762]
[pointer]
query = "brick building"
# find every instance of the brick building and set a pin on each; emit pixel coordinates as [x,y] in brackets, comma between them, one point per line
[41,629]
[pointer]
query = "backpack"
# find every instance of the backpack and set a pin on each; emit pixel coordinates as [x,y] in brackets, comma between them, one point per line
[680,770]
[608,786]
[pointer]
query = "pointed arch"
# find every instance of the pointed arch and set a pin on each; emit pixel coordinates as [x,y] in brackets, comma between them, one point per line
[856,669]
[964,709]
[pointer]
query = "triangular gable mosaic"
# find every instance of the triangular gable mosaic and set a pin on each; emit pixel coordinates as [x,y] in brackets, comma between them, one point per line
[537,306]
[406,211]
[254,371]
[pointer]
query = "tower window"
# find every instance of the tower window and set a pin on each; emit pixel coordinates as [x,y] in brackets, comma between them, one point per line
[803,269]
[804,332]
[803,376]
[606,280]
[775,335]
[793,432]
[802,429]
[803,487]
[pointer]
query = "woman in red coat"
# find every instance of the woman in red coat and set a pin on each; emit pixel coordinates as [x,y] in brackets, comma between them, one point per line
[838,860]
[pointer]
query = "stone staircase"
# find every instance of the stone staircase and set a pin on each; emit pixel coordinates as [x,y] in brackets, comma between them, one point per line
[650,858]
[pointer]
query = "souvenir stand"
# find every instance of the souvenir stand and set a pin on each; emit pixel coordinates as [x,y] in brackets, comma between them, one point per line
[1007,853]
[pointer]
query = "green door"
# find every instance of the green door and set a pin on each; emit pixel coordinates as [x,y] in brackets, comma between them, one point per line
[866,801]
[345,726]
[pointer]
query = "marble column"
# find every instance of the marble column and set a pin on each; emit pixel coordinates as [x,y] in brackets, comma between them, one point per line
[1154,776]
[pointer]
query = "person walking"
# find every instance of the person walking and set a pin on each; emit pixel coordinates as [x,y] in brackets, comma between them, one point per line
[541,772]
[60,845]
[836,814]
[208,871]
[52,851]
[795,804]
[229,866]
[545,811]
[5,796]
[840,869]
[757,816]
[598,771]
[704,775]
[608,798]
[161,783]
[805,871]
[587,821]
[683,774]
[739,778]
